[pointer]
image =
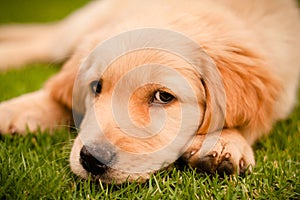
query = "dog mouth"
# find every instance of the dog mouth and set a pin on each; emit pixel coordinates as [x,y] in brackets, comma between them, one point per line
[100,169]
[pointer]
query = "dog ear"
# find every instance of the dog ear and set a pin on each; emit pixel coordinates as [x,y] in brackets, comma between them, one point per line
[61,85]
[250,91]
[62,88]
[215,104]
[210,115]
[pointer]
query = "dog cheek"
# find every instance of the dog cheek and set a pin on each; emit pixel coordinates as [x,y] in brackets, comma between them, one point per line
[139,114]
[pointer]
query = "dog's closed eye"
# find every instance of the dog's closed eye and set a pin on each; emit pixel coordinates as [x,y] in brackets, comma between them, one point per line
[96,87]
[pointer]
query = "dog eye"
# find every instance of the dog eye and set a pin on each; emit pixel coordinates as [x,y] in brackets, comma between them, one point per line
[162,97]
[96,87]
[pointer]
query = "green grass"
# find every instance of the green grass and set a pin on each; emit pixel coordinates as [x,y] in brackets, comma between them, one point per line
[36,166]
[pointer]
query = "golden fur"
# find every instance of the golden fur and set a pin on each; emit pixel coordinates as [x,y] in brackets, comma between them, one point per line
[254,44]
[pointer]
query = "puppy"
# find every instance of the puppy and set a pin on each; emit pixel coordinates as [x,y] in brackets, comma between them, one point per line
[151,82]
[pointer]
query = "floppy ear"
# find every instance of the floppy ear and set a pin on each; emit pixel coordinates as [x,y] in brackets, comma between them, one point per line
[61,85]
[215,95]
[218,117]
[250,90]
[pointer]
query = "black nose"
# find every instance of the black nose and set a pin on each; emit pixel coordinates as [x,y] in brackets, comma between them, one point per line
[96,166]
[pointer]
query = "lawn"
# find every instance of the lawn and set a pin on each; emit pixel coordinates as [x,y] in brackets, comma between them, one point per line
[36,166]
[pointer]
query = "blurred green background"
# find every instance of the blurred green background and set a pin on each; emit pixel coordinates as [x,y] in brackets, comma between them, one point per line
[31,77]
[30,10]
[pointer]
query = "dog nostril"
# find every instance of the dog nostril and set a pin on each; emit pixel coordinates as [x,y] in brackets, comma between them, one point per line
[92,164]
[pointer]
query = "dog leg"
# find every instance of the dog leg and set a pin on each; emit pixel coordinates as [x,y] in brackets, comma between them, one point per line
[19,32]
[44,109]
[17,54]
[227,153]
[34,111]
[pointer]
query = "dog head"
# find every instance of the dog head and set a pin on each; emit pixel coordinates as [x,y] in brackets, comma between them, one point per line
[143,101]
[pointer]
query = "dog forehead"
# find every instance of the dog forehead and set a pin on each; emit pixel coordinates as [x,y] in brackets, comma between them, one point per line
[149,64]
[141,40]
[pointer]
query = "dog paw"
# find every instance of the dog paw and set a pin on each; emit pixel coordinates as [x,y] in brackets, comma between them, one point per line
[228,153]
[31,112]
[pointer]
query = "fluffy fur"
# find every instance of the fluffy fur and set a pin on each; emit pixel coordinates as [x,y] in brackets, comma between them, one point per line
[254,44]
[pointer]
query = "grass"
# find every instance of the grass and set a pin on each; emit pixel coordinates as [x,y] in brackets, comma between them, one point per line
[36,166]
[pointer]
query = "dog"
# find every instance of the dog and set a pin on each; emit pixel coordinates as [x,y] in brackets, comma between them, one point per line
[150,82]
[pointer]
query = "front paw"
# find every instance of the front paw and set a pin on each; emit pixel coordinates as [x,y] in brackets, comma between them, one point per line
[227,153]
[31,112]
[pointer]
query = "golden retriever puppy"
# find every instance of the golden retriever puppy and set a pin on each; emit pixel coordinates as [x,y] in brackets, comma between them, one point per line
[149,82]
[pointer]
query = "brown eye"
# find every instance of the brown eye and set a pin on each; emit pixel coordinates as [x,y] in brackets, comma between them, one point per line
[96,87]
[162,97]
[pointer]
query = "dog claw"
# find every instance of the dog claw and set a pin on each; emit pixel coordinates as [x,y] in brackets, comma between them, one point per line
[242,167]
[215,154]
[227,156]
[193,152]
[242,163]
[12,130]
